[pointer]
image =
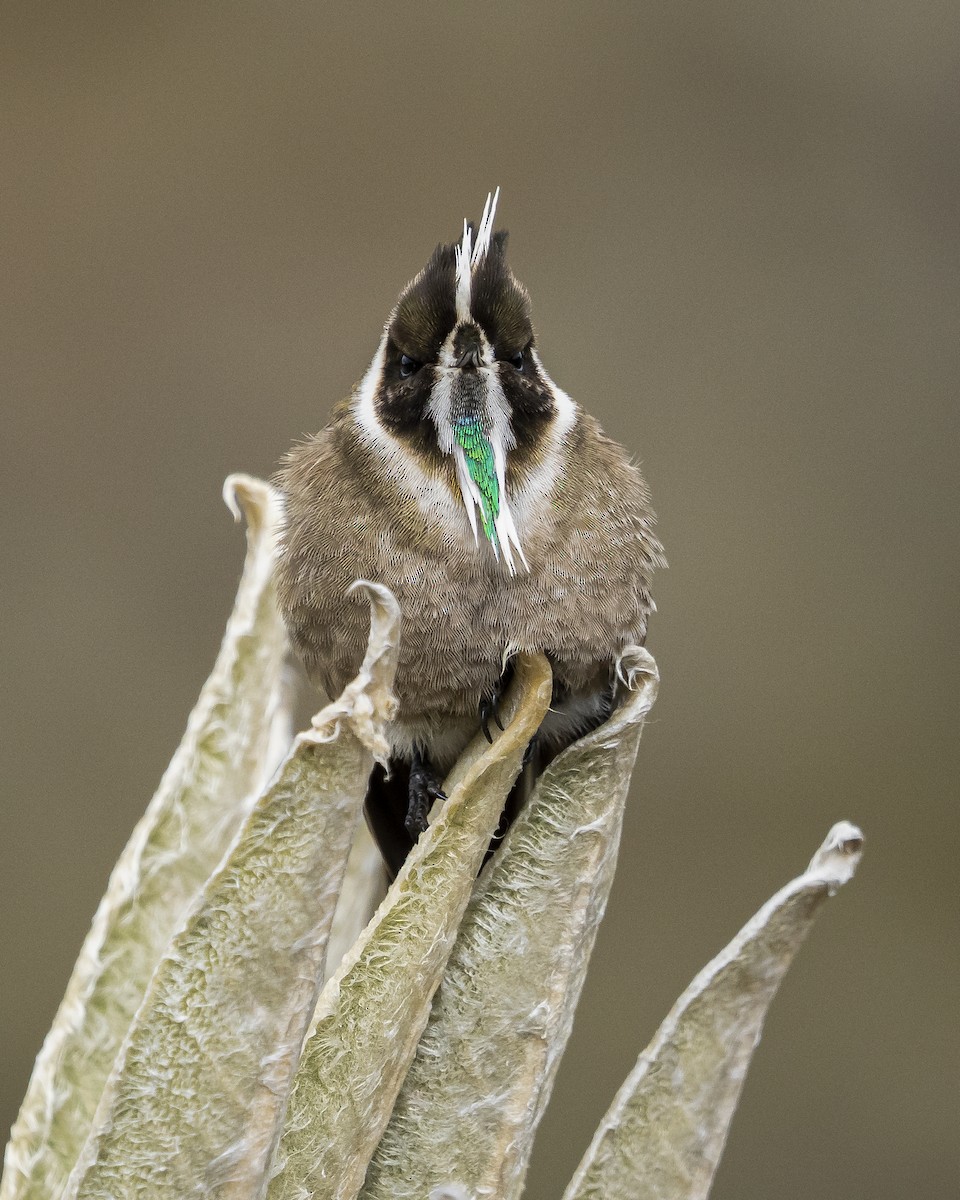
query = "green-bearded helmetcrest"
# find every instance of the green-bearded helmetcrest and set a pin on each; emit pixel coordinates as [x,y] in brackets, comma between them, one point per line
[495,509]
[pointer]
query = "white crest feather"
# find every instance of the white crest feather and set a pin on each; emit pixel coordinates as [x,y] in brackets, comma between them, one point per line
[486,229]
[463,256]
[470,254]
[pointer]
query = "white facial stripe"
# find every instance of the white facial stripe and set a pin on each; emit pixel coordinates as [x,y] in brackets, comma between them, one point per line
[531,497]
[494,405]
[366,414]
[431,494]
[566,409]
[438,410]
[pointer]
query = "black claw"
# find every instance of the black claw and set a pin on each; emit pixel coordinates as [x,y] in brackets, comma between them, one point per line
[423,791]
[490,705]
[488,709]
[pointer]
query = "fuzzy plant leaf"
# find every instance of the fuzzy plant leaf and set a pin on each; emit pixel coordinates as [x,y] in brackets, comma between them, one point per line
[372,1012]
[665,1131]
[465,1118]
[196,1105]
[228,750]
[364,886]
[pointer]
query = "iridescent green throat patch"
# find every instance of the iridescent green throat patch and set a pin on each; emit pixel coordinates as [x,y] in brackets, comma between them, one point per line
[479,458]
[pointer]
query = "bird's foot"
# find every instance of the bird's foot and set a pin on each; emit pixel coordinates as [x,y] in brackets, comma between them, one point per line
[490,705]
[490,711]
[423,791]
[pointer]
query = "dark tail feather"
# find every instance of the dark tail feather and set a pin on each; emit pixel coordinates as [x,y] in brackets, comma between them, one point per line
[385,809]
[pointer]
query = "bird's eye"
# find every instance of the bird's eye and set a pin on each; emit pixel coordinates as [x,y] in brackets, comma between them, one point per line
[408,366]
[517,360]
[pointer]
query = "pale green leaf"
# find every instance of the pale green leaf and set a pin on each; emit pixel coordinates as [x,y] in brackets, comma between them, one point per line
[231,737]
[664,1133]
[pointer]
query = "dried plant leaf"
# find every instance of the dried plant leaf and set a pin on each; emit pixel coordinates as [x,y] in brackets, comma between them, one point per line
[373,1010]
[470,1104]
[204,1077]
[364,886]
[213,779]
[664,1133]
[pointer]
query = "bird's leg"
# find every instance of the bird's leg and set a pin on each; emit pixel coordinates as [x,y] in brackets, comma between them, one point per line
[607,703]
[423,791]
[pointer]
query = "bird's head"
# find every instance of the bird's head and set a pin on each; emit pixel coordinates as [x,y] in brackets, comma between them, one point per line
[457,377]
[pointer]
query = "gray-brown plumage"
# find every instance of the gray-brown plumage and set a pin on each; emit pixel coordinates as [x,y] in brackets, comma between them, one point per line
[494,508]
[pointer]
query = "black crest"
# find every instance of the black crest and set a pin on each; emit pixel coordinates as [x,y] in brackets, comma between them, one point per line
[427,310]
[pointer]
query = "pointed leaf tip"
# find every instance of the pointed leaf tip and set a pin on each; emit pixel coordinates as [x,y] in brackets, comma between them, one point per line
[637,668]
[368,701]
[838,858]
[251,499]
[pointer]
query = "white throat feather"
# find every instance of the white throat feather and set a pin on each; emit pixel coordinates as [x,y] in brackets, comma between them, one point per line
[492,421]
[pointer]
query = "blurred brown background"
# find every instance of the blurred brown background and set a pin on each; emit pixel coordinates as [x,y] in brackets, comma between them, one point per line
[739,227]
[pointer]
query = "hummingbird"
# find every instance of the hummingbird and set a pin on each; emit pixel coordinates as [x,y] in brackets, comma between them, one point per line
[492,505]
